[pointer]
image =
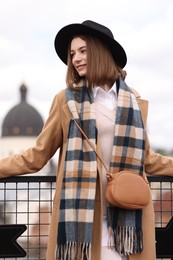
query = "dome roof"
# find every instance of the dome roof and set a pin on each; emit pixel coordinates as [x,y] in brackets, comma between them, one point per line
[23,119]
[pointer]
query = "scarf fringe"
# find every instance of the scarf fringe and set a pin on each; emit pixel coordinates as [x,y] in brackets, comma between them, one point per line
[127,240]
[73,251]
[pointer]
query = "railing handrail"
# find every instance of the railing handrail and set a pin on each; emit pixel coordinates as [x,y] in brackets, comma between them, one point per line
[24,178]
[52,178]
[160,178]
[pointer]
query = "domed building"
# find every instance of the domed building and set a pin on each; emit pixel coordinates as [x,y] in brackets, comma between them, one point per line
[20,128]
[23,119]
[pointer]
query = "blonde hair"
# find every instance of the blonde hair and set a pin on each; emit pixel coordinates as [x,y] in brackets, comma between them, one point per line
[101,67]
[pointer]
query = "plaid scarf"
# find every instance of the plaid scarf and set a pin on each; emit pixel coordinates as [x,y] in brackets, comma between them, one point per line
[80,175]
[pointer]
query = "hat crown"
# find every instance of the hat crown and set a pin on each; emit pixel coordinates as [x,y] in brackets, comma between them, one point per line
[98,27]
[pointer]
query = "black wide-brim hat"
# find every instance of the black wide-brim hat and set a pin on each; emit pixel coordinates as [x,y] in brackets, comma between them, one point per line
[66,34]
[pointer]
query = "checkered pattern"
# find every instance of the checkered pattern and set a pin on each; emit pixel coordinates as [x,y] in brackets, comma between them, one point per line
[80,173]
[129,138]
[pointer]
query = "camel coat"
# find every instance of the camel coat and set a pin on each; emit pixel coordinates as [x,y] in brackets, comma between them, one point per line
[53,137]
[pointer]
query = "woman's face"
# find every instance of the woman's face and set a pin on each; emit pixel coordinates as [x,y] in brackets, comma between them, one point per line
[78,53]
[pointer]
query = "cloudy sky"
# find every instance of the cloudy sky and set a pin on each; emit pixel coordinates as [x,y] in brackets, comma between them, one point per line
[143,28]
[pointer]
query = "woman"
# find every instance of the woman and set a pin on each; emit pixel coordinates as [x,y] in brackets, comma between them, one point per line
[113,117]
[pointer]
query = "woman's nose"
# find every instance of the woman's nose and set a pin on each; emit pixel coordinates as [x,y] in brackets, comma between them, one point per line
[77,57]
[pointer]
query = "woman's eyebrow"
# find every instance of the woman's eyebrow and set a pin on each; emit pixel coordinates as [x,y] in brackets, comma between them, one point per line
[78,48]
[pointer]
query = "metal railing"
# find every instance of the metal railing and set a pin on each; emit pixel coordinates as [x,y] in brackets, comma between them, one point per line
[28,200]
[162,194]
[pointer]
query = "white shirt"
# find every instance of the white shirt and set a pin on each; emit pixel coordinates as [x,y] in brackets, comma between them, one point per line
[108,99]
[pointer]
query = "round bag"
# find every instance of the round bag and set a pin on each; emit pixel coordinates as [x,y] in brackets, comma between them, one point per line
[127,189]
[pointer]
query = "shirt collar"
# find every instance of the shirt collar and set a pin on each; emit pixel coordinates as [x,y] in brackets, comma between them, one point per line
[112,89]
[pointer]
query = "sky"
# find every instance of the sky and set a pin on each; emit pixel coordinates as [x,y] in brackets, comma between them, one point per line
[143,28]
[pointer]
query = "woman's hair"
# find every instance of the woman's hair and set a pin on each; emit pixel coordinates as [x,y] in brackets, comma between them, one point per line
[101,67]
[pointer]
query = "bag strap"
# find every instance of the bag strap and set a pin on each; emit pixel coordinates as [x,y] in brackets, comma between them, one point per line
[108,174]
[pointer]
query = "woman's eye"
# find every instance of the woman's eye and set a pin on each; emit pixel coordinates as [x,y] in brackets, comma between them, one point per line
[72,55]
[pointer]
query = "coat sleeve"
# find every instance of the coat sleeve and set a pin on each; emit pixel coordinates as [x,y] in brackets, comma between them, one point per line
[157,164]
[47,143]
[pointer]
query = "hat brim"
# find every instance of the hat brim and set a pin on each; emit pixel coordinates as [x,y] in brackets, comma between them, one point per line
[65,35]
